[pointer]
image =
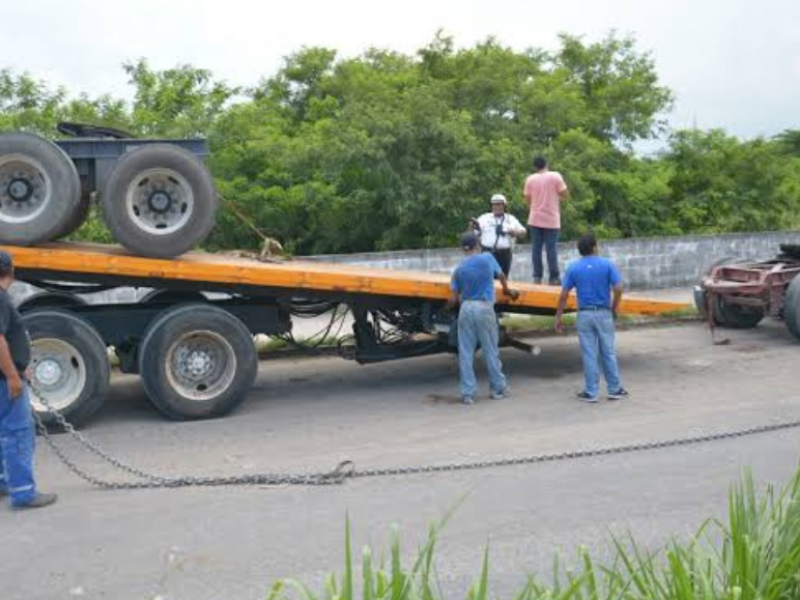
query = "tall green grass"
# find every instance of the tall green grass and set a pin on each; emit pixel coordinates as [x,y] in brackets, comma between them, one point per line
[752,555]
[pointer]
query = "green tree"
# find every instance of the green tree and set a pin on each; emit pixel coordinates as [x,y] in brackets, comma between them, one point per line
[387,150]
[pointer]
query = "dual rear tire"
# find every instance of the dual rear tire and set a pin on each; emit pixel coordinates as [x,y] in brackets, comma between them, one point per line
[196,361]
[158,201]
[40,191]
[70,366]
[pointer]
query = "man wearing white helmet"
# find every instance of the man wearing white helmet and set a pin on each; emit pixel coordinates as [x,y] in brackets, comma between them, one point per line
[499,231]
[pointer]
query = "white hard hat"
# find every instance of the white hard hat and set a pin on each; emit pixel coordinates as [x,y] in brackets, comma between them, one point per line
[499,199]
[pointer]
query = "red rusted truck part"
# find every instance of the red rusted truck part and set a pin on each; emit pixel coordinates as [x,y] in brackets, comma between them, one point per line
[740,294]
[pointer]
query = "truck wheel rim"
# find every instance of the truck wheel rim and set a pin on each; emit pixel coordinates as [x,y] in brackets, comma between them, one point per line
[159,201]
[201,365]
[59,373]
[25,189]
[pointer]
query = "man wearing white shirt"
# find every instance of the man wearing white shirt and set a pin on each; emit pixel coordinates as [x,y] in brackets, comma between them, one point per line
[499,231]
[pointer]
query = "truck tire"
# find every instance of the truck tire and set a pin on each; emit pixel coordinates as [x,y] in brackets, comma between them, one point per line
[159,201]
[39,190]
[700,295]
[734,316]
[70,365]
[197,361]
[50,300]
[791,307]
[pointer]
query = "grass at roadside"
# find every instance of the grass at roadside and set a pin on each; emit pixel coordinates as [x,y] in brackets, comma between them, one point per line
[753,555]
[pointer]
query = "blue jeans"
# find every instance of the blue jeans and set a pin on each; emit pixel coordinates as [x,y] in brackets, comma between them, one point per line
[596,334]
[547,239]
[477,324]
[17,442]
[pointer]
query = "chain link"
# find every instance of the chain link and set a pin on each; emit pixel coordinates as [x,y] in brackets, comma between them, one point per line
[346,469]
[151,481]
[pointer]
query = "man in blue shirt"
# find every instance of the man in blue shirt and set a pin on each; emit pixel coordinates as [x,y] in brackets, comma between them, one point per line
[473,286]
[594,278]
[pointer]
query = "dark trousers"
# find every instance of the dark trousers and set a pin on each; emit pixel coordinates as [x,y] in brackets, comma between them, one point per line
[547,239]
[503,256]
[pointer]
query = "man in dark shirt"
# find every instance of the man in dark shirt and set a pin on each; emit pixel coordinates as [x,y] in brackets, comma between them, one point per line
[17,434]
[473,286]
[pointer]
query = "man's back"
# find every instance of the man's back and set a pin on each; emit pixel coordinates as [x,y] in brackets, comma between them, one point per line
[544,190]
[592,277]
[474,278]
[12,327]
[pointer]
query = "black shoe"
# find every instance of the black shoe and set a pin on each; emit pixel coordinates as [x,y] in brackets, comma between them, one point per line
[620,394]
[537,282]
[39,501]
[555,282]
[586,397]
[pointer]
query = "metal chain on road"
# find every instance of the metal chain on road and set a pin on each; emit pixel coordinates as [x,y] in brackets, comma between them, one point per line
[150,481]
[346,469]
[564,456]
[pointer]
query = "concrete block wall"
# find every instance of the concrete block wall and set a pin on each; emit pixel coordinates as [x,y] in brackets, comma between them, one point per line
[646,263]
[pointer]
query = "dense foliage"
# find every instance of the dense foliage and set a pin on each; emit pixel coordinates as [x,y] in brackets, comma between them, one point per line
[388,151]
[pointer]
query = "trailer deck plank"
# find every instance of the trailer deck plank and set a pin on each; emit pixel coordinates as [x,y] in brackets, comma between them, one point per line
[102,260]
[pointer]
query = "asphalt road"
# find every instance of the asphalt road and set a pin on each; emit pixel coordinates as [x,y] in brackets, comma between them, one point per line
[306,415]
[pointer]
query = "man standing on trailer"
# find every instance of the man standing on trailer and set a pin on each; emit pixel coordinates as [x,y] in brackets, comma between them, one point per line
[473,286]
[499,231]
[17,435]
[544,191]
[594,278]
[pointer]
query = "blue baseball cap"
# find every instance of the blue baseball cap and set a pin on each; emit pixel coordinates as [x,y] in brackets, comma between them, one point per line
[6,261]
[469,240]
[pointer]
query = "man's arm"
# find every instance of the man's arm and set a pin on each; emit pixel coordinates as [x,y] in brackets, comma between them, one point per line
[617,299]
[562,304]
[526,192]
[513,294]
[9,370]
[515,227]
[452,301]
[563,190]
[616,286]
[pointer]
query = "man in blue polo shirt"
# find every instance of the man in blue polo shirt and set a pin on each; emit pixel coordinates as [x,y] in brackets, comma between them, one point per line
[473,286]
[594,278]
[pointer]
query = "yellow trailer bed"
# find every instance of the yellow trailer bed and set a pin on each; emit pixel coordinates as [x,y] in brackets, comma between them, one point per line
[91,262]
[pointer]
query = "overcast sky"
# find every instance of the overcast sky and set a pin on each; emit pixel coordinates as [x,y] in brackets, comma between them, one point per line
[731,63]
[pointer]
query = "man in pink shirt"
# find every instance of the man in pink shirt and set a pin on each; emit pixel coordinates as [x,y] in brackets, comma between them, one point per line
[544,191]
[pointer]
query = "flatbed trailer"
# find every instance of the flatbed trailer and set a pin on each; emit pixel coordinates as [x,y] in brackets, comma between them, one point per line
[191,339]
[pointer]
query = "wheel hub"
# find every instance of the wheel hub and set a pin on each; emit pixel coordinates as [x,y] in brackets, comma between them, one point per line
[198,364]
[25,189]
[160,202]
[201,365]
[20,190]
[48,372]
